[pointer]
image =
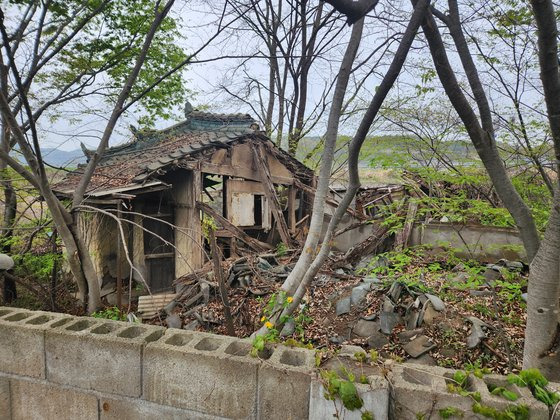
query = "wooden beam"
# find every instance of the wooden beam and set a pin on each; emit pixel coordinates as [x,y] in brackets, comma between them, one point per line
[402,237]
[219,276]
[238,233]
[292,208]
[311,191]
[239,172]
[262,164]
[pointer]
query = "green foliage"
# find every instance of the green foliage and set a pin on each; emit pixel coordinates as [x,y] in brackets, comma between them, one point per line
[537,197]
[344,389]
[459,384]
[476,369]
[277,302]
[38,266]
[106,49]
[503,392]
[514,412]
[461,378]
[318,358]
[537,383]
[208,224]
[366,415]
[449,412]
[457,206]
[112,312]
[360,356]
[511,290]
[281,249]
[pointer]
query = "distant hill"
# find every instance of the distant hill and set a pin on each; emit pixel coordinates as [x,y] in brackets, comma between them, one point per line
[61,158]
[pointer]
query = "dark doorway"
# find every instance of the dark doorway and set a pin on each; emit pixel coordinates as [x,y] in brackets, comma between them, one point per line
[158,248]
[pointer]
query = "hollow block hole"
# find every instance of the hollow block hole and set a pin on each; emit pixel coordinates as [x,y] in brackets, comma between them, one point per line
[80,325]
[238,349]
[60,322]
[39,320]
[17,317]
[208,344]
[449,380]
[416,377]
[104,329]
[4,312]
[156,335]
[178,340]
[131,332]
[292,358]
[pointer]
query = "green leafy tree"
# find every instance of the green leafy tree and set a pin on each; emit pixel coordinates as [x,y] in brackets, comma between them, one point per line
[56,53]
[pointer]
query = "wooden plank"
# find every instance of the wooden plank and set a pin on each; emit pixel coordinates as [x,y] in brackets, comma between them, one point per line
[292,208]
[148,305]
[270,193]
[238,233]
[240,172]
[402,238]
[161,255]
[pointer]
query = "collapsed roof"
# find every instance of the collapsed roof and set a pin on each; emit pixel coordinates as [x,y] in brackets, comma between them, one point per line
[151,153]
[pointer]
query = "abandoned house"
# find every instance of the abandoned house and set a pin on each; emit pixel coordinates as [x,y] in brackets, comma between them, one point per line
[164,185]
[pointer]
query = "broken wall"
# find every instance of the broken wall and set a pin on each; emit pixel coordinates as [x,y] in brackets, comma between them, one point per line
[101,235]
[483,243]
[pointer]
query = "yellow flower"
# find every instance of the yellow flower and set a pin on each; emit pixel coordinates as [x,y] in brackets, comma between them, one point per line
[263,318]
[289,299]
[268,325]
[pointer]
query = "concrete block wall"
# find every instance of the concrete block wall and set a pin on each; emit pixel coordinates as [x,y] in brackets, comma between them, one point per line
[56,366]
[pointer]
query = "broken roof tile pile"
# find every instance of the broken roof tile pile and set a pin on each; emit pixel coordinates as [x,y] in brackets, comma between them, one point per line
[151,151]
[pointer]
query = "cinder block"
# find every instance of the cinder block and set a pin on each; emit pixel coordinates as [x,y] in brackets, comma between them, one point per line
[31,400]
[537,409]
[422,390]
[283,383]
[136,409]
[97,354]
[22,338]
[192,371]
[5,408]
[375,396]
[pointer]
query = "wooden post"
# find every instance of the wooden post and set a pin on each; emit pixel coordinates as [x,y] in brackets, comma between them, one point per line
[292,208]
[187,190]
[219,276]
[402,238]
[54,272]
[119,273]
[262,164]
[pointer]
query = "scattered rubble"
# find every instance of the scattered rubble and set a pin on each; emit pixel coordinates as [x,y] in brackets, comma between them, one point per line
[433,309]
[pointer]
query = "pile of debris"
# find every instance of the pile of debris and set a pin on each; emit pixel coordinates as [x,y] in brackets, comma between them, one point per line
[257,275]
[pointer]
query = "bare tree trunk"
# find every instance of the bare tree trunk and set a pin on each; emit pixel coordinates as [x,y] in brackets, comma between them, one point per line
[541,333]
[316,224]
[10,198]
[355,146]
[77,253]
[308,51]
[481,136]
[271,98]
